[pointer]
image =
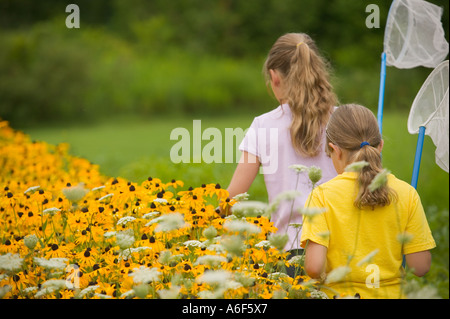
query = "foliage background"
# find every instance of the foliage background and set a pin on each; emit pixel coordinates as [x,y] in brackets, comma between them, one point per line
[136,69]
[184,56]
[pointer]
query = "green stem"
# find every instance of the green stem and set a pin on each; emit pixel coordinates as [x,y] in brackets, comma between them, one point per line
[15,219]
[292,204]
[356,239]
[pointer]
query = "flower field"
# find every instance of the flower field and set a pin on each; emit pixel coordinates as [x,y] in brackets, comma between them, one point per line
[67,231]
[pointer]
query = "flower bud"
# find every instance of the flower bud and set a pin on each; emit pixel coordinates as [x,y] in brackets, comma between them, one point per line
[142,290]
[356,166]
[210,232]
[380,180]
[75,193]
[30,241]
[234,245]
[314,174]
[279,241]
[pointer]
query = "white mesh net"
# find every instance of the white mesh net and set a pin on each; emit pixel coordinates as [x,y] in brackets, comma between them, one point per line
[414,35]
[430,109]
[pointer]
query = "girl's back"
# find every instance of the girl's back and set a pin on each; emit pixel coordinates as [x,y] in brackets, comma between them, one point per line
[371,241]
[273,148]
[294,132]
[371,218]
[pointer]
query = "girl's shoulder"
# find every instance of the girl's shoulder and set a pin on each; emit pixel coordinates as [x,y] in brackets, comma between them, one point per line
[280,114]
[402,187]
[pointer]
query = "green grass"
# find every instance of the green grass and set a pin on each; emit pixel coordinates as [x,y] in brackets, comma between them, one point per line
[136,148]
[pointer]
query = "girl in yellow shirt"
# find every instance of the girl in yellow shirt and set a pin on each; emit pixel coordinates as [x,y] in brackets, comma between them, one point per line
[370,219]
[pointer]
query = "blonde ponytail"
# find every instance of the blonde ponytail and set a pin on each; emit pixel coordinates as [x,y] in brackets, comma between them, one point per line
[308,91]
[354,128]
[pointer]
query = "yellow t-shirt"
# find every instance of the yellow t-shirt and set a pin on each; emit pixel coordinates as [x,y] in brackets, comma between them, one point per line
[349,232]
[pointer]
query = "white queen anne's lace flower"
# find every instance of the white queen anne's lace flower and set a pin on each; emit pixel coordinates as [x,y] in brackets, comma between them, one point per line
[216,277]
[51,211]
[88,290]
[249,208]
[125,220]
[241,197]
[194,243]
[124,239]
[32,189]
[211,260]
[151,215]
[298,168]
[171,293]
[52,263]
[263,243]
[169,222]
[241,227]
[50,286]
[105,197]
[145,275]
[11,262]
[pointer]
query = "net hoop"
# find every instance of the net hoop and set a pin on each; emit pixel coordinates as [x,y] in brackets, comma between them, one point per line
[416,26]
[442,69]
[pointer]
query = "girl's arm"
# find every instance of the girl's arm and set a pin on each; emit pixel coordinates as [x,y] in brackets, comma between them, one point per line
[315,260]
[244,174]
[419,262]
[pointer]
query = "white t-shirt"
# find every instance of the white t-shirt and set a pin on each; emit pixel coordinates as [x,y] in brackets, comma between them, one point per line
[269,139]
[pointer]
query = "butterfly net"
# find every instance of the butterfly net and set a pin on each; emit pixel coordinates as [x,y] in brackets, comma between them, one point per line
[430,109]
[414,35]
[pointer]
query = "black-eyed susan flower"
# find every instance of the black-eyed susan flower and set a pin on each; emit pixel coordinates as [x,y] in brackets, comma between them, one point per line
[151,241]
[119,230]
[57,250]
[106,288]
[82,236]
[87,257]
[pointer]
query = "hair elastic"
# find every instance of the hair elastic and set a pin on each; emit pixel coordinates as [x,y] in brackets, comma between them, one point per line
[363,144]
[298,44]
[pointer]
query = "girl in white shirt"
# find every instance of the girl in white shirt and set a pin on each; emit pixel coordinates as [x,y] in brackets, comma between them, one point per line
[293,133]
